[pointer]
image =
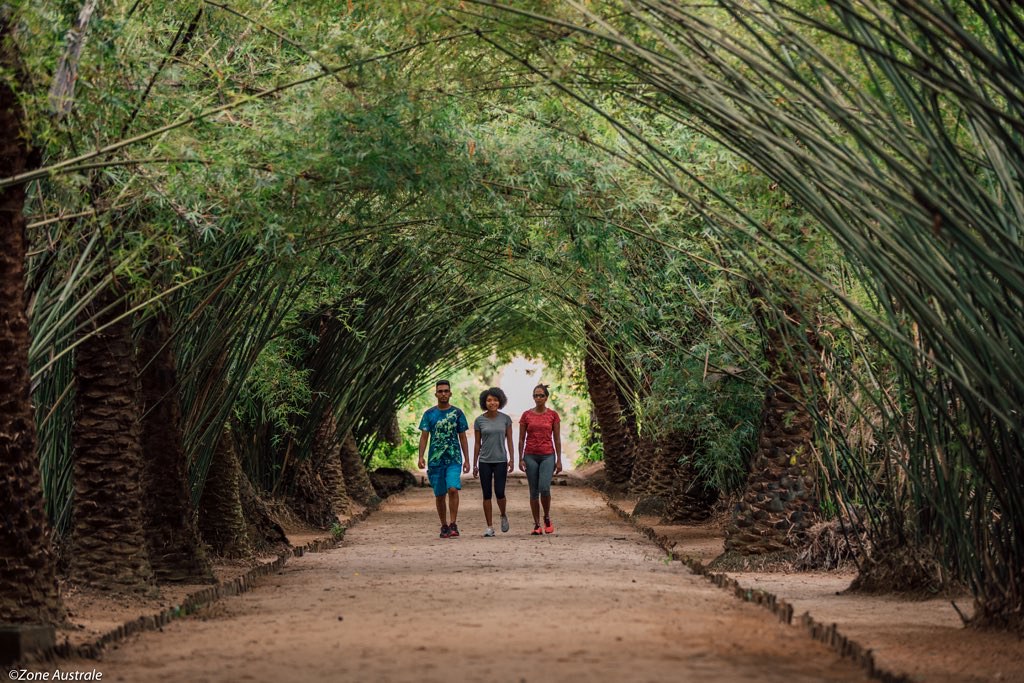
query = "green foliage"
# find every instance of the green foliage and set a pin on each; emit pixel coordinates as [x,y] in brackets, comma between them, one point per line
[403,456]
[275,390]
[590,448]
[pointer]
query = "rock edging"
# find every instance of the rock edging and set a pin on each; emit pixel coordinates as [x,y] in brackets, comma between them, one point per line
[825,633]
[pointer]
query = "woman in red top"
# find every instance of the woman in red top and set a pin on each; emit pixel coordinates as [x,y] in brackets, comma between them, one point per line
[540,455]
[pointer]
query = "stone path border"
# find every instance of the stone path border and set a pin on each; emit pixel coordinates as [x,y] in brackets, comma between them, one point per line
[827,634]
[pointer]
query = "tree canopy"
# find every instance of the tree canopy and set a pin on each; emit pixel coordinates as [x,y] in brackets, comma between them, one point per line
[715,204]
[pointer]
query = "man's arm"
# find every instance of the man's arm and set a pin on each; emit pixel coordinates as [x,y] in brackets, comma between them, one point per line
[465,452]
[423,447]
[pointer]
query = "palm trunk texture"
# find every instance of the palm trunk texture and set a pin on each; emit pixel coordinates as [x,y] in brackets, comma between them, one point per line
[108,541]
[779,503]
[175,550]
[327,453]
[221,520]
[641,479]
[619,443]
[690,499]
[651,481]
[28,579]
[318,491]
[357,481]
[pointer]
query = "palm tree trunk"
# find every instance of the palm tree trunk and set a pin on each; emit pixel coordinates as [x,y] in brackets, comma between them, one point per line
[221,520]
[263,528]
[357,481]
[175,550]
[690,499]
[779,503]
[318,493]
[391,432]
[642,477]
[28,577]
[619,443]
[657,490]
[327,455]
[309,497]
[108,541]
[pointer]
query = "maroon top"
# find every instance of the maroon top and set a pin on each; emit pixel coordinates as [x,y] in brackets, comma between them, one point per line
[539,431]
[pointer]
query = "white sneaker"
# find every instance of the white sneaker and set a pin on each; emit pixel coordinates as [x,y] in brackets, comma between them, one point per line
[504,523]
[489,533]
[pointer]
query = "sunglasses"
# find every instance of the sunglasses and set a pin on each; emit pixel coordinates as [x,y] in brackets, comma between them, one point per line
[539,396]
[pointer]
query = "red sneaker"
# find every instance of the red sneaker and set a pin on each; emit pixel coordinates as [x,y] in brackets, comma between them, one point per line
[549,528]
[453,530]
[446,531]
[537,531]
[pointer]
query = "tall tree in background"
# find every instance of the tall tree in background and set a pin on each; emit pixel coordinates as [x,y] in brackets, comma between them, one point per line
[172,538]
[620,442]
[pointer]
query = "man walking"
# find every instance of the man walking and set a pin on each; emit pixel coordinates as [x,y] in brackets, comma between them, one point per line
[446,427]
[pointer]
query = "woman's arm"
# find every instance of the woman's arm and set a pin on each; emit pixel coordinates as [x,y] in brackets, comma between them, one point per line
[511,453]
[476,452]
[556,430]
[522,443]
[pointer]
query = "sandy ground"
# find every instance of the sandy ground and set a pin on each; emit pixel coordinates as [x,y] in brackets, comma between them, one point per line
[593,602]
[922,639]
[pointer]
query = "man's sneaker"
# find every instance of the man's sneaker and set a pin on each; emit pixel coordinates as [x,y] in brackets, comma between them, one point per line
[537,531]
[489,533]
[446,531]
[549,528]
[504,523]
[453,530]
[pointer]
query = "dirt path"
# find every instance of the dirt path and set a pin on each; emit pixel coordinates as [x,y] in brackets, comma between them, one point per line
[593,602]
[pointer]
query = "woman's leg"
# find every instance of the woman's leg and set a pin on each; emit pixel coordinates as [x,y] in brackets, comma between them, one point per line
[546,470]
[533,479]
[500,476]
[486,481]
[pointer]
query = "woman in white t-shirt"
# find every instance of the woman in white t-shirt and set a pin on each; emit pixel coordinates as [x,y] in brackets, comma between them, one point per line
[493,458]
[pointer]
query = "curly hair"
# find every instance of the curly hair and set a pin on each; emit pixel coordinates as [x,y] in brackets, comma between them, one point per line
[496,393]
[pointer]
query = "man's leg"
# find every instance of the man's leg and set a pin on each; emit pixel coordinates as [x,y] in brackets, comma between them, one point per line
[453,504]
[439,501]
[437,483]
[452,481]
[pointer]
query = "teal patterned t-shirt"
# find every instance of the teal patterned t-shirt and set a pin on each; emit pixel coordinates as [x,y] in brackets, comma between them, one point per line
[444,427]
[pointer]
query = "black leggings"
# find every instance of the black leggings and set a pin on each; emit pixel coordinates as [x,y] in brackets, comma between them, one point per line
[493,472]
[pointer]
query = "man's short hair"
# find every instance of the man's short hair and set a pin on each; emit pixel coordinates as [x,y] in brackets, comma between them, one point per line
[442,381]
